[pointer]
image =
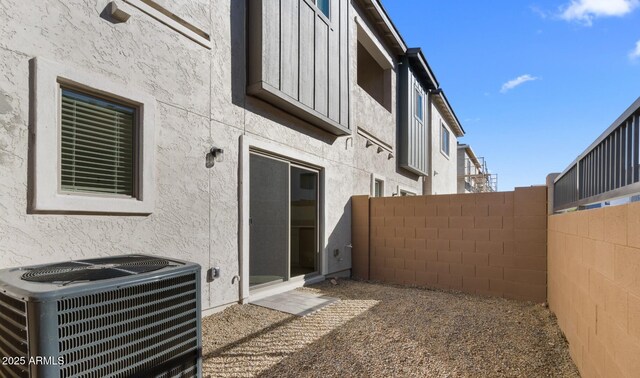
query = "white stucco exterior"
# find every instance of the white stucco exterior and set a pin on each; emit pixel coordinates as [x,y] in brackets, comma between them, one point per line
[444,168]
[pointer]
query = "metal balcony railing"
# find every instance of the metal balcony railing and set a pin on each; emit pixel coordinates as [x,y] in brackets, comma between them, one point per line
[606,170]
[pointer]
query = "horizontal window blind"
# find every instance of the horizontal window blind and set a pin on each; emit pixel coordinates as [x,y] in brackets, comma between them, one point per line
[97,145]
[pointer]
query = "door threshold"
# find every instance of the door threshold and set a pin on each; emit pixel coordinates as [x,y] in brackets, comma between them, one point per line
[264,292]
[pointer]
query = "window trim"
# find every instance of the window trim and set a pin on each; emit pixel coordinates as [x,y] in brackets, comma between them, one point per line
[402,188]
[418,94]
[443,127]
[374,178]
[327,16]
[48,77]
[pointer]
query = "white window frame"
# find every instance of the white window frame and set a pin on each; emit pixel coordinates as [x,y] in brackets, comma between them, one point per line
[405,189]
[443,127]
[47,196]
[418,100]
[327,16]
[375,177]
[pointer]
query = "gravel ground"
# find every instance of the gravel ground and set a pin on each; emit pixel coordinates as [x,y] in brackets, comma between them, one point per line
[378,330]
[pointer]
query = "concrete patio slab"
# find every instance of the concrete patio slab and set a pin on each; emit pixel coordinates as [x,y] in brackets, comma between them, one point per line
[296,302]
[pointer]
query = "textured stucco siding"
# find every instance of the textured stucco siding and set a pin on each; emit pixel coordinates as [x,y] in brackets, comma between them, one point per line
[201,102]
[370,116]
[141,53]
[444,169]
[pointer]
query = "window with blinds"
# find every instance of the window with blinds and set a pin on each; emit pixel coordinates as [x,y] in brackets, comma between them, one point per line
[97,145]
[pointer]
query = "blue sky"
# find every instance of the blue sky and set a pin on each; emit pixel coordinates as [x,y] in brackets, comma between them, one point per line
[573,68]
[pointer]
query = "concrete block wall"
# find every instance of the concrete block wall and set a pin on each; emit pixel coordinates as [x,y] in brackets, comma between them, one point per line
[484,243]
[594,287]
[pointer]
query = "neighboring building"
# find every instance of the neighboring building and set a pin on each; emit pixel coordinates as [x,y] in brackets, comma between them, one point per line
[473,174]
[114,132]
[444,133]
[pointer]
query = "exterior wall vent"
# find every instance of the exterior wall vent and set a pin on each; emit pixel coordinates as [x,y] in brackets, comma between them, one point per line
[118,316]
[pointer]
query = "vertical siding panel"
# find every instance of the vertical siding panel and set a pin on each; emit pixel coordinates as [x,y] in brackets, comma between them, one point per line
[289,47]
[307,54]
[334,63]
[322,63]
[271,42]
[629,148]
[344,62]
[636,148]
[412,120]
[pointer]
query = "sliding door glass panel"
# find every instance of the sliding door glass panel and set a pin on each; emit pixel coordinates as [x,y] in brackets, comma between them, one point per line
[304,221]
[269,220]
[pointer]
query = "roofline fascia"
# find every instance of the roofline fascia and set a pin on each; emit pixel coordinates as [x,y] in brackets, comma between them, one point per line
[440,92]
[416,53]
[382,13]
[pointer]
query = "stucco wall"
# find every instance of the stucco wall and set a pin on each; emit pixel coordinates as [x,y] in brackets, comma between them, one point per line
[444,169]
[594,287]
[484,243]
[201,102]
[141,53]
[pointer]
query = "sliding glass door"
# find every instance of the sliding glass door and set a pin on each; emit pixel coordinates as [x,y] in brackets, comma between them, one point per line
[284,219]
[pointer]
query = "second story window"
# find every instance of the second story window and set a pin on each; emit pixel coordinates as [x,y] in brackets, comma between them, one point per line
[323,5]
[419,105]
[445,140]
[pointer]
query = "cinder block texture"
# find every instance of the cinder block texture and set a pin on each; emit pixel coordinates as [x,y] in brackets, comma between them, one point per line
[487,243]
[594,287]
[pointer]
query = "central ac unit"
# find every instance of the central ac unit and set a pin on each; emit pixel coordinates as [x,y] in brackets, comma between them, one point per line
[120,316]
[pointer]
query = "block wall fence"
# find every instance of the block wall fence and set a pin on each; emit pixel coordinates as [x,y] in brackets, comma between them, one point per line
[594,287]
[485,243]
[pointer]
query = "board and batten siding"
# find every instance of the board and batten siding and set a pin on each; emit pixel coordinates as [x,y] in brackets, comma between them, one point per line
[299,60]
[413,148]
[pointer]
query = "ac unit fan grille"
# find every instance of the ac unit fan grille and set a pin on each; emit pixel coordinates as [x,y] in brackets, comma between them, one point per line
[127,331]
[95,269]
[13,335]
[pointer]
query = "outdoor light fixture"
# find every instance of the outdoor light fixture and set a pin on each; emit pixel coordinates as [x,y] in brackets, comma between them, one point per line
[369,143]
[390,155]
[380,149]
[216,154]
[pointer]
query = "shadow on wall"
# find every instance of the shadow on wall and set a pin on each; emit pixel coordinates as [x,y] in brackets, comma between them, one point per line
[340,240]
[238,52]
[239,60]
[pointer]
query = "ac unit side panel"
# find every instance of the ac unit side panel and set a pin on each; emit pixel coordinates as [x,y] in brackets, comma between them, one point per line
[43,340]
[14,336]
[147,324]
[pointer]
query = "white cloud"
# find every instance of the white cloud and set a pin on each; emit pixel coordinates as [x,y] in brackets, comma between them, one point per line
[586,10]
[635,53]
[509,85]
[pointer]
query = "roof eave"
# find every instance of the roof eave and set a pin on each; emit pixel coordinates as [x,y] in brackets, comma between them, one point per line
[450,115]
[418,60]
[384,25]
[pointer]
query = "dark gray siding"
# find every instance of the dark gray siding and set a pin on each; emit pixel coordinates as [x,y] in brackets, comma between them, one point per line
[413,147]
[298,60]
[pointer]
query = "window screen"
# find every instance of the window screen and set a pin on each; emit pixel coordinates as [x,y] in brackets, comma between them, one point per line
[97,145]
